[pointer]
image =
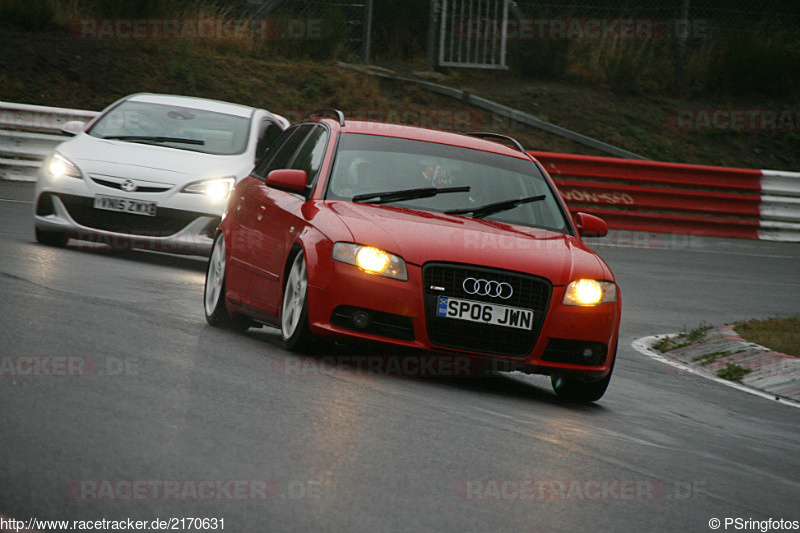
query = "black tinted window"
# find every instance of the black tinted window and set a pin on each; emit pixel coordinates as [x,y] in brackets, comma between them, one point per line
[310,155]
[270,132]
[283,151]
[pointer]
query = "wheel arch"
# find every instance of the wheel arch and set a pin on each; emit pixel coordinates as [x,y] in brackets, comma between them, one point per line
[318,251]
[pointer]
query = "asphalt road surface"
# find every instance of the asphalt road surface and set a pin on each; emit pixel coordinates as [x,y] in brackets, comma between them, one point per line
[152,414]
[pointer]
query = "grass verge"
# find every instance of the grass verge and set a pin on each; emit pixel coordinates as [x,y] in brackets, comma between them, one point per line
[682,339]
[779,334]
[733,372]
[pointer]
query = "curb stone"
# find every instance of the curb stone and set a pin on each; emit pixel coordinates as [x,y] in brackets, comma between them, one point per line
[771,372]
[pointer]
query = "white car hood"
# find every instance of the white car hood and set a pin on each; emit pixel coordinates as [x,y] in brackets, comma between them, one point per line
[162,164]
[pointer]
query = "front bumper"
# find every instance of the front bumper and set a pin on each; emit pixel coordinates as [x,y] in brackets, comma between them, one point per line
[172,230]
[564,339]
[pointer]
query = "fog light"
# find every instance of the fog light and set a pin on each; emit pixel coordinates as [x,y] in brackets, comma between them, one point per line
[361,319]
[588,353]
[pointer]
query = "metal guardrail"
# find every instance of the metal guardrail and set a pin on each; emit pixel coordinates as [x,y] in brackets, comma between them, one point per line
[678,198]
[28,133]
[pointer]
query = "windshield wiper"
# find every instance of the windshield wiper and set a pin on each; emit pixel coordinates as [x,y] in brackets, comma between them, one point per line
[408,194]
[148,138]
[490,209]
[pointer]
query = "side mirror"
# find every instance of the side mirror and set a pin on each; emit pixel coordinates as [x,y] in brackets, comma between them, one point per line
[73,127]
[590,225]
[288,180]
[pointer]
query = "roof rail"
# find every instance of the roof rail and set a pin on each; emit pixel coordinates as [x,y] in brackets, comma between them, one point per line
[335,112]
[497,137]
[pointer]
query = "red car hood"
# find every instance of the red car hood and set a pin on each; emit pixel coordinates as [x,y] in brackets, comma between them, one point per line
[420,237]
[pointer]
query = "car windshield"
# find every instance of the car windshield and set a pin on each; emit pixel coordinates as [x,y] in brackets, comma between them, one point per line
[443,178]
[177,127]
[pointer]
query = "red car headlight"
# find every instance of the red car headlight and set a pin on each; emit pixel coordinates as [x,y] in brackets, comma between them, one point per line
[588,292]
[371,260]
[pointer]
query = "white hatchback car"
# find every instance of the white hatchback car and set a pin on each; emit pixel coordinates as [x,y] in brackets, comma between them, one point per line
[151,171]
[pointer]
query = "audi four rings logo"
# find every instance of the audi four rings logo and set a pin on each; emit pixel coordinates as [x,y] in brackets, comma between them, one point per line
[481,287]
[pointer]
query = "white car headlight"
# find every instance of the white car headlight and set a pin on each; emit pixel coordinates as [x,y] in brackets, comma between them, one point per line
[217,189]
[588,292]
[59,166]
[371,260]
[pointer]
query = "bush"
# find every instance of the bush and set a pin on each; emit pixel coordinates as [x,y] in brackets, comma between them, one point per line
[753,63]
[27,14]
[547,59]
[750,63]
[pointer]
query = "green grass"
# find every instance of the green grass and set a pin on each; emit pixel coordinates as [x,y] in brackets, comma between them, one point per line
[683,339]
[713,357]
[733,372]
[779,334]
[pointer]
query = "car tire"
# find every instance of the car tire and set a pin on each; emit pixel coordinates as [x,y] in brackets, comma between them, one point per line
[579,391]
[216,312]
[295,333]
[51,238]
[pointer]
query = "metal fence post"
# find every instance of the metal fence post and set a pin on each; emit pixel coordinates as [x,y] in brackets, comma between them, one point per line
[683,28]
[367,29]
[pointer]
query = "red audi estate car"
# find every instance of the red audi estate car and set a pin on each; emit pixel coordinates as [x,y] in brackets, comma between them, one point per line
[443,242]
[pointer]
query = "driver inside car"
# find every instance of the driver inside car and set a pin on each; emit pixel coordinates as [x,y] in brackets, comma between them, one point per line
[362,177]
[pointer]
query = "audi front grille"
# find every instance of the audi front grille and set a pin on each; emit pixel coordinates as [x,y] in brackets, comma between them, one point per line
[490,286]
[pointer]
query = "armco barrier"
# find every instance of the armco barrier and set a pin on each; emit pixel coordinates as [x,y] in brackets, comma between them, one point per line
[628,194]
[677,198]
[28,133]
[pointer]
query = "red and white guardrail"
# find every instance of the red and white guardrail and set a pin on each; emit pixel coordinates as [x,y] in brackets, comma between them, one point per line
[628,194]
[677,198]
